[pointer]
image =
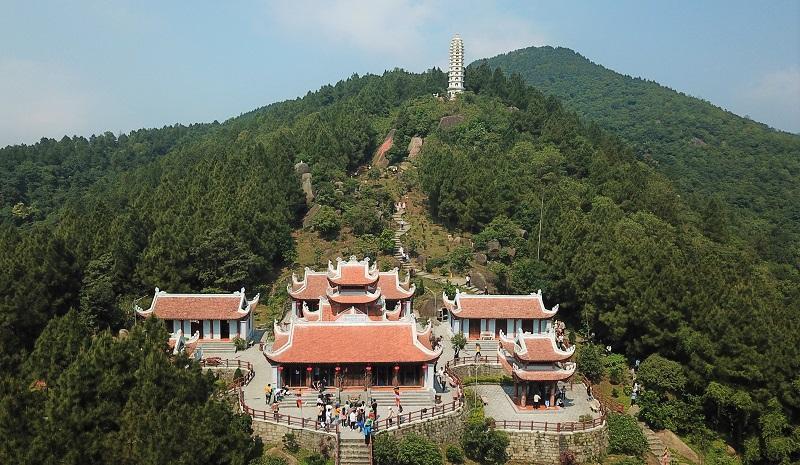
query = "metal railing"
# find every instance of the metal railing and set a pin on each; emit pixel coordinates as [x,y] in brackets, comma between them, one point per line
[473,360]
[557,427]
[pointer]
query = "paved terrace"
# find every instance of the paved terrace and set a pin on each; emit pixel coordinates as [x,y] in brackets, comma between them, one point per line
[499,404]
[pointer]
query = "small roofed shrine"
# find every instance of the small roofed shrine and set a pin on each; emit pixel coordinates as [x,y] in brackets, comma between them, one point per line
[537,362]
[484,317]
[352,327]
[204,317]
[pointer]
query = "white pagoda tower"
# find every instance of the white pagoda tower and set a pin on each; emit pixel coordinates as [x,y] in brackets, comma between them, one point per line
[455,83]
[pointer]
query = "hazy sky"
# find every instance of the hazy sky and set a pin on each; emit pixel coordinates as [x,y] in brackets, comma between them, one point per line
[83,67]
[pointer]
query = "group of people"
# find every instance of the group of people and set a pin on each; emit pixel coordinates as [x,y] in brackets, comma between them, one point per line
[274,395]
[560,397]
[561,341]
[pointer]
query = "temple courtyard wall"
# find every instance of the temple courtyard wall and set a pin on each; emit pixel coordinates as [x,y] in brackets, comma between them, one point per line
[540,447]
[272,433]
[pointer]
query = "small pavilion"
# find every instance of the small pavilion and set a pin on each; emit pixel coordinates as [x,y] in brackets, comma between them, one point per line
[485,317]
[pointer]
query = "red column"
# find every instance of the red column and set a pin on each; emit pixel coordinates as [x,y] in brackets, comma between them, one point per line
[553,394]
[523,400]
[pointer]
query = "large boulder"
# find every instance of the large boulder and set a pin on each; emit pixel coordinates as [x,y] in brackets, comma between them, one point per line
[302,168]
[414,147]
[448,122]
[493,248]
[308,220]
[481,258]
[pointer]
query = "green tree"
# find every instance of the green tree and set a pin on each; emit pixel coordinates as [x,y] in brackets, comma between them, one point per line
[590,362]
[625,436]
[327,222]
[661,375]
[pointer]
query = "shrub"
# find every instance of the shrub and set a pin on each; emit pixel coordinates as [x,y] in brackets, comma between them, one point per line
[459,259]
[454,454]
[617,367]
[290,443]
[327,222]
[417,450]
[315,459]
[239,343]
[625,436]
[661,375]
[483,443]
[386,241]
[270,460]
[237,375]
[590,362]
[567,457]
[384,450]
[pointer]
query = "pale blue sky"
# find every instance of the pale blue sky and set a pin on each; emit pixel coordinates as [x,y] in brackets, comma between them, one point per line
[83,67]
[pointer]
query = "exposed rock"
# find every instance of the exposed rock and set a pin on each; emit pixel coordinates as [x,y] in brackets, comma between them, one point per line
[427,308]
[675,443]
[309,218]
[509,252]
[522,232]
[414,147]
[493,248]
[302,168]
[339,184]
[477,279]
[481,258]
[379,160]
[307,189]
[698,142]
[448,122]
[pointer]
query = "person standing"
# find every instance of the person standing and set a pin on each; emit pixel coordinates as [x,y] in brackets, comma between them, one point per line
[374,407]
[536,399]
[268,394]
[275,409]
[391,416]
[477,352]
[397,397]
[299,398]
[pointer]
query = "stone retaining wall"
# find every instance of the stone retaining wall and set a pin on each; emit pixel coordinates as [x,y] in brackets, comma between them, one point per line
[272,433]
[446,429]
[539,447]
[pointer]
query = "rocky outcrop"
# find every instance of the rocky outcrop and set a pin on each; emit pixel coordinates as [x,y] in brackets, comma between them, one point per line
[302,168]
[448,122]
[379,160]
[414,147]
[307,188]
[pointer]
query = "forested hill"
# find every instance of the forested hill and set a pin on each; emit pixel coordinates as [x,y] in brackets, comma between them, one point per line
[213,207]
[742,174]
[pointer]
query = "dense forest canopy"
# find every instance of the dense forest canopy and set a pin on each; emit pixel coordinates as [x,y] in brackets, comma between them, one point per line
[741,171]
[102,221]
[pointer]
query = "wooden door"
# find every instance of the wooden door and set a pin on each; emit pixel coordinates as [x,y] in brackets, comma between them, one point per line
[196,327]
[474,329]
[224,329]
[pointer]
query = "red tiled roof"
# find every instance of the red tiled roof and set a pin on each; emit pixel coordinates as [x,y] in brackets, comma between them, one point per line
[507,306]
[541,349]
[371,342]
[198,307]
[535,375]
[390,287]
[353,275]
[315,286]
[354,298]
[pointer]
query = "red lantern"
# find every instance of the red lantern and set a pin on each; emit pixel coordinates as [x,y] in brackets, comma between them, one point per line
[369,368]
[309,369]
[397,368]
[280,367]
[338,369]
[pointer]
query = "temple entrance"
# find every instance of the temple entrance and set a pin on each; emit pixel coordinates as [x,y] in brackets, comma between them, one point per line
[527,326]
[382,375]
[196,326]
[224,329]
[500,325]
[474,329]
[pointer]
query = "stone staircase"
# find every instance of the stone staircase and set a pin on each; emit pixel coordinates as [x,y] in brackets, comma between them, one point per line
[353,451]
[402,229]
[488,348]
[224,347]
[654,443]
[410,400]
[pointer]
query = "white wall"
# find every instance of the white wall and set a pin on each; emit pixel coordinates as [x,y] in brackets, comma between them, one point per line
[206,329]
[429,376]
[234,328]
[187,328]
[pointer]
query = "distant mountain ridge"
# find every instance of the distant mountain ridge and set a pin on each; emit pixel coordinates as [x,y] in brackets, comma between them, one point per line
[712,155]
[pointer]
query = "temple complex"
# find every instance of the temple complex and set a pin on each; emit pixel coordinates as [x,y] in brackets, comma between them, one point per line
[455,76]
[220,317]
[352,327]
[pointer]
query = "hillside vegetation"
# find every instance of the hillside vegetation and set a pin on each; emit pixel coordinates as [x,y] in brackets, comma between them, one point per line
[739,173]
[213,207]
